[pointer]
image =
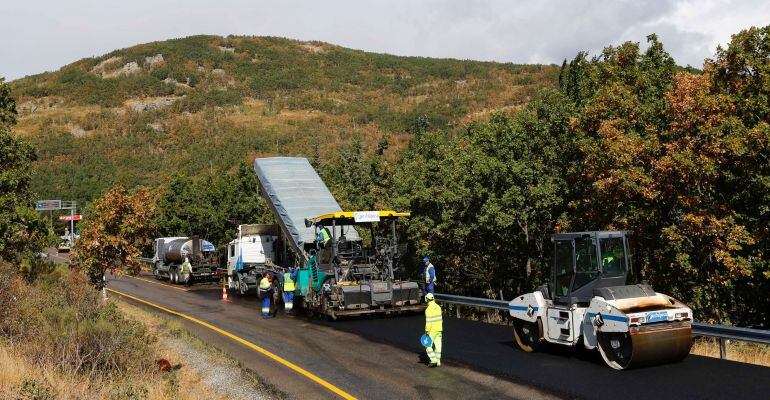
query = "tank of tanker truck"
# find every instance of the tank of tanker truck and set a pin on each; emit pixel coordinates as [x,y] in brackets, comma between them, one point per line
[171,252]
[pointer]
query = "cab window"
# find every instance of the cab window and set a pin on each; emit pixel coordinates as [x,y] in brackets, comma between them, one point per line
[613,256]
[586,263]
[563,266]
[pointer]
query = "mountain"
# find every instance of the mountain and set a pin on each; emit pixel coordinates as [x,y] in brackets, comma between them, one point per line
[202,104]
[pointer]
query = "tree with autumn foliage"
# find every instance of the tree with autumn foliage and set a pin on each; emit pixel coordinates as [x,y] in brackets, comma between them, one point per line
[681,159]
[630,141]
[118,224]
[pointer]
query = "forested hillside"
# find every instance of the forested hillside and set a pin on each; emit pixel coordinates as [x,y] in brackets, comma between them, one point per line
[201,105]
[487,157]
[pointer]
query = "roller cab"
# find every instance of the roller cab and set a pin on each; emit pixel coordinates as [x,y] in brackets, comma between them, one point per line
[589,303]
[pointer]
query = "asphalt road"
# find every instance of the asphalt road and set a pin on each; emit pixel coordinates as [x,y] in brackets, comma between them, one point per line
[363,368]
[382,359]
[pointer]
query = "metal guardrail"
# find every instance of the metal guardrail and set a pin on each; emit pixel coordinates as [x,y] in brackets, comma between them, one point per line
[145,260]
[721,332]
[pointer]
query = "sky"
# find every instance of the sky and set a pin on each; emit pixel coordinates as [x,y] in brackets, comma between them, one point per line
[45,35]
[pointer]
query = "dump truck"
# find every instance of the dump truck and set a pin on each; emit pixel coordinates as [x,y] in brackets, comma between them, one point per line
[347,276]
[169,253]
[255,250]
[589,303]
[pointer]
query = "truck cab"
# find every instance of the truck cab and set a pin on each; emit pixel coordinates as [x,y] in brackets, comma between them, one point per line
[253,252]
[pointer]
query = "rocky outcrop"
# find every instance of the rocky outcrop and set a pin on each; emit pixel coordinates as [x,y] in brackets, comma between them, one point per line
[100,68]
[131,68]
[149,104]
[154,61]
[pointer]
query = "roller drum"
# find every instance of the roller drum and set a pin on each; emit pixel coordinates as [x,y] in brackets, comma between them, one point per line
[646,345]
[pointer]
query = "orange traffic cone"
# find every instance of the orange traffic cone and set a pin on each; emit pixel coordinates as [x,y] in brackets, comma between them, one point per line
[224,292]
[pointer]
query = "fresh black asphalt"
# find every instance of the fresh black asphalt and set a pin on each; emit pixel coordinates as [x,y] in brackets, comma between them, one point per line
[490,349]
[580,374]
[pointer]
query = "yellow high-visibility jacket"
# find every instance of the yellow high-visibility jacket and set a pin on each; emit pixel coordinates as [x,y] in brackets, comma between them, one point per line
[288,283]
[264,284]
[433,319]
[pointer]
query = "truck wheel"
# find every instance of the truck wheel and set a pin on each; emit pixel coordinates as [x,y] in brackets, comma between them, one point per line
[156,272]
[174,276]
[529,335]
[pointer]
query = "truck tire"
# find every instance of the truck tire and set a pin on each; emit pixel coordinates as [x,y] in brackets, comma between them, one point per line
[174,276]
[156,272]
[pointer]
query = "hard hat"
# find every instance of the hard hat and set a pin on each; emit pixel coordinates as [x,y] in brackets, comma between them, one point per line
[426,259]
[429,297]
[186,259]
[425,340]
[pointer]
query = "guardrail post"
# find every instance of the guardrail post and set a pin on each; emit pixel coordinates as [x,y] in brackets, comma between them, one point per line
[457,309]
[722,349]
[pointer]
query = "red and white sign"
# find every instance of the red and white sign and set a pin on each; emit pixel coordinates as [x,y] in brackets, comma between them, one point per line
[76,217]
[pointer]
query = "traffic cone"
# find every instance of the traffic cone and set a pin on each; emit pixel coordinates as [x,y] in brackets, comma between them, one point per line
[224,292]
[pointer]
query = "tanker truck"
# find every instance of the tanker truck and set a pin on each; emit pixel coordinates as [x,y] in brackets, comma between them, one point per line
[171,252]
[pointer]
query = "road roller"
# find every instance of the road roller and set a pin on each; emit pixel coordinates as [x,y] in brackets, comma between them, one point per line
[589,302]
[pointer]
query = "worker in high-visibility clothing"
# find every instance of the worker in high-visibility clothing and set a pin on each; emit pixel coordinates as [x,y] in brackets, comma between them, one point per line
[288,289]
[186,270]
[265,294]
[434,326]
[324,235]
[430,276]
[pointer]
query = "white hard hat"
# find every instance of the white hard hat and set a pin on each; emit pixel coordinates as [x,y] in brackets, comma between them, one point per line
[186,259]
[429,297]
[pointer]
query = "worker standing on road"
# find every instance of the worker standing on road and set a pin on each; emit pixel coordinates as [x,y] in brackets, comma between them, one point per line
[186,270]
[430,276]
[265,294]
[434,327]
[288,289]
[323,235]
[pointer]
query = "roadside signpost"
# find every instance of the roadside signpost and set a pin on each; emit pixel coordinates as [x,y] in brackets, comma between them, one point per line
[48,205]
[51,205]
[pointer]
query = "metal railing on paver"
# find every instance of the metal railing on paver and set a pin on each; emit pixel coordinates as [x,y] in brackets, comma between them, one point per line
[721,332]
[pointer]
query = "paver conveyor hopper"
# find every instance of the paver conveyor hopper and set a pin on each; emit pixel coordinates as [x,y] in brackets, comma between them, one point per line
[589,302]
[297,196]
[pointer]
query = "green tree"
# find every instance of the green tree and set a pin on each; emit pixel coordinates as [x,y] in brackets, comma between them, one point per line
[211,207]
[22,231]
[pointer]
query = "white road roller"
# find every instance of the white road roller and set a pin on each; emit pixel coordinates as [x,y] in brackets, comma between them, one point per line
[589,303]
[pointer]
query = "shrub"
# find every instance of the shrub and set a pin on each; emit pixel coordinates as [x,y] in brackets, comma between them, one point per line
[61,320]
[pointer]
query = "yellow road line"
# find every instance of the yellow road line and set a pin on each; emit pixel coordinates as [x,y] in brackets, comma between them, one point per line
[158,283]
[246,343]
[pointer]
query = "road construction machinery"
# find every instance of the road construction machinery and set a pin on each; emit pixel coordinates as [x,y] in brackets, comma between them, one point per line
[252,253]
[358,276]
[589,303]
[345,277]
[171,252]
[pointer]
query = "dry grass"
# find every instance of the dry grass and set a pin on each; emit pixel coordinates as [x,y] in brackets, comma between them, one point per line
[22,378]
[752,353]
